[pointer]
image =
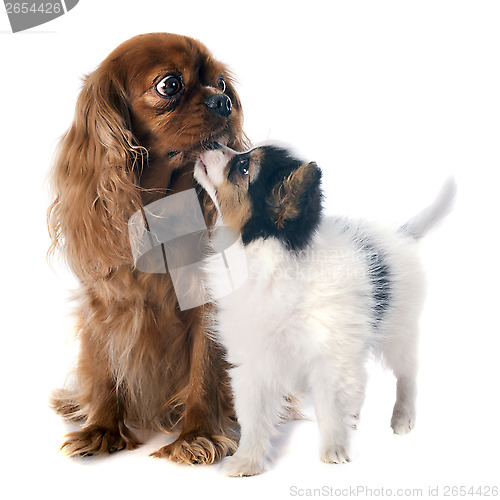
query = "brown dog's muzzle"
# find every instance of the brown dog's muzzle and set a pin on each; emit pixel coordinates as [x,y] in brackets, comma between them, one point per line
[220,104]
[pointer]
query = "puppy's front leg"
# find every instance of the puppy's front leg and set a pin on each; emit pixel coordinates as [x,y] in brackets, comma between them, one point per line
[258,403]
[338,396]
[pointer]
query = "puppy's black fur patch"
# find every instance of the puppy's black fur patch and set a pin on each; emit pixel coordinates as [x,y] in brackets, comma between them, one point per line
[380,277]
[294,231]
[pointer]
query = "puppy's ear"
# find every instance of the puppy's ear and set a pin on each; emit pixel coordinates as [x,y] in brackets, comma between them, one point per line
[291,196]
[295,206]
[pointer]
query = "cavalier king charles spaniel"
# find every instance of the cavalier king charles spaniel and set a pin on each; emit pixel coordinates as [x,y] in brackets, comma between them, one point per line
[141,121]
[321,293]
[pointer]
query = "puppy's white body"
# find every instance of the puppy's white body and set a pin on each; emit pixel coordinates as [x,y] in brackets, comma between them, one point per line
[306,321]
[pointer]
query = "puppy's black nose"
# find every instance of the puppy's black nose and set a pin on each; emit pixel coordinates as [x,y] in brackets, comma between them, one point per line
[220,103]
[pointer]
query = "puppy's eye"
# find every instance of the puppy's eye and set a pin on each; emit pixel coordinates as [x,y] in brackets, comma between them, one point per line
[169,86]
[242,166]
[221,84]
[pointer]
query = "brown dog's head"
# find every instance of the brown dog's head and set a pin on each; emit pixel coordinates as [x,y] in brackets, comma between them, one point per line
[141,120]
[179,96]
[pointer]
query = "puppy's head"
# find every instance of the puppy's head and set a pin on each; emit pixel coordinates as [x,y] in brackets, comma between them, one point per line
[178,96]
[264,192]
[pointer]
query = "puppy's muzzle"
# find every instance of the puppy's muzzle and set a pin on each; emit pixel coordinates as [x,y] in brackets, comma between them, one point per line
[220,104]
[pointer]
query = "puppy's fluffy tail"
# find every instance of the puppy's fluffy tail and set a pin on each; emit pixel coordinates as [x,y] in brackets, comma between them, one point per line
[422,223]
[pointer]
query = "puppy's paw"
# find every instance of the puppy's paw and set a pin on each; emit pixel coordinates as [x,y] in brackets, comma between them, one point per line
[191,449]
[402,421]
[242,466]
[335,454]
[96,440]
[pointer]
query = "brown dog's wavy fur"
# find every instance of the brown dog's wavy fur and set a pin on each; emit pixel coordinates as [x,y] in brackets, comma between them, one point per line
[142,361]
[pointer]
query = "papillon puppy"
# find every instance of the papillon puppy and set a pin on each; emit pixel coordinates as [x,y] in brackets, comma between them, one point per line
[320,295]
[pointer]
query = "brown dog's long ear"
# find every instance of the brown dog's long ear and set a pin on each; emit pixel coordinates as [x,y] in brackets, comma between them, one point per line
[93,181]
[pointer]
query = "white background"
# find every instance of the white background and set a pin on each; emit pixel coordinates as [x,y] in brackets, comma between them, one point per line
[389,98]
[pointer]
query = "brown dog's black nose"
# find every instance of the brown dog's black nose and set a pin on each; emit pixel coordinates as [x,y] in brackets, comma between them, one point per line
[220,103]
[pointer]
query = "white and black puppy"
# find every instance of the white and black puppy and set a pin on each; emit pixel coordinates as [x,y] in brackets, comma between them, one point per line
[321,293]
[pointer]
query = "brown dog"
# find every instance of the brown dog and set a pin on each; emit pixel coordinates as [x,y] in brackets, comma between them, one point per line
[141,120]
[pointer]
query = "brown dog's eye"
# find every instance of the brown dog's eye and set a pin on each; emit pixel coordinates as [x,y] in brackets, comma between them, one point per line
[221,84]
[169,86]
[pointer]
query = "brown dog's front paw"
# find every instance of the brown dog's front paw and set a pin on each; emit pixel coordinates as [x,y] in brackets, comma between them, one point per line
[96,440]
[191,449]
